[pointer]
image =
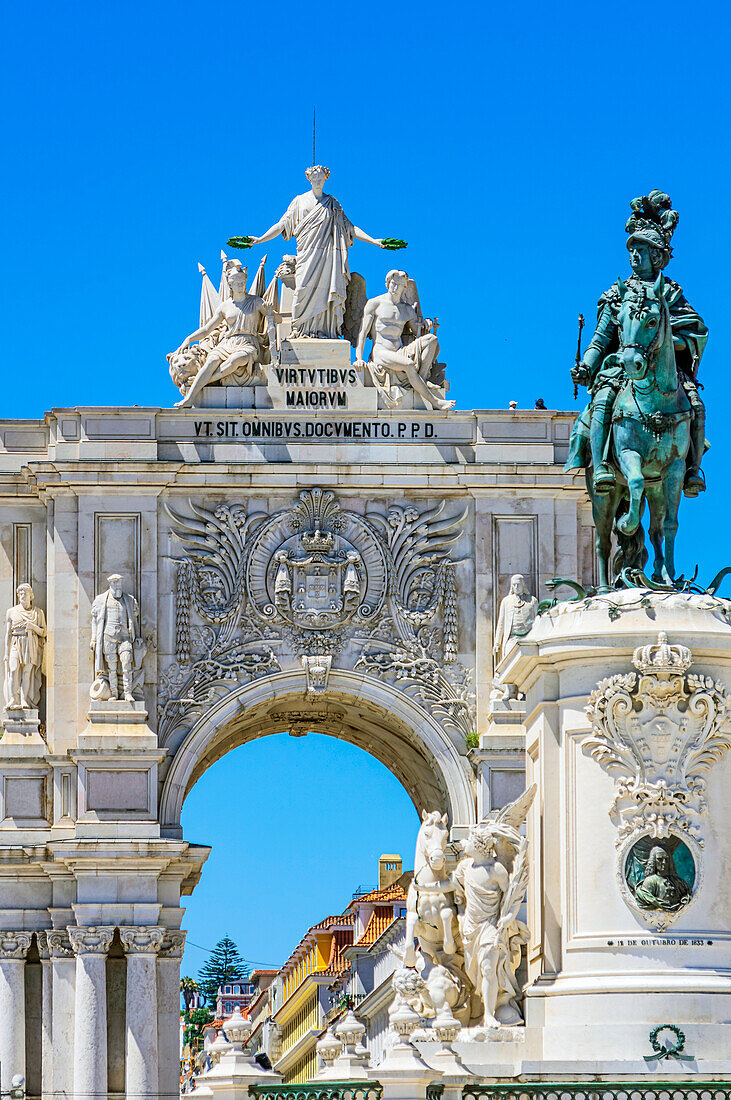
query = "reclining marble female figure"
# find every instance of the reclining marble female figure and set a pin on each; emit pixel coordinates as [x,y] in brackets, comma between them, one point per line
[229,341]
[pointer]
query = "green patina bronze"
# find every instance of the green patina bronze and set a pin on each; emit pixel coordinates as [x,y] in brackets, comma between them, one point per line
[642,436]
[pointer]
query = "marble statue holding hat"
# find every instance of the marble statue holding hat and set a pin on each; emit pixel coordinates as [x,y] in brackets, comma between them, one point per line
[116,642]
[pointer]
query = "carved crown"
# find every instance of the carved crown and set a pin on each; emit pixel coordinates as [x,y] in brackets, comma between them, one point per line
[318,540]
[662,657]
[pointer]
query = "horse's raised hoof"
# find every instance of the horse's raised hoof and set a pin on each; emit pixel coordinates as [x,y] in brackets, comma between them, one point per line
[627,525]
[604,480]
[695,482]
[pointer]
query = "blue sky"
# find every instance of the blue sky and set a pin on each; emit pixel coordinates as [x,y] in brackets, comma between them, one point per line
[503,142]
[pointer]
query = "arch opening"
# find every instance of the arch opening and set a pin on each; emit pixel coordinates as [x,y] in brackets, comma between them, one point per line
[431,764]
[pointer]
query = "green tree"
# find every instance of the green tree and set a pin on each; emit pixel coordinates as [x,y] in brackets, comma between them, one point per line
[195,1021]
[224,964]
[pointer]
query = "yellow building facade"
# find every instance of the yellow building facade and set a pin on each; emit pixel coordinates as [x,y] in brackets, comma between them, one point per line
[304,991]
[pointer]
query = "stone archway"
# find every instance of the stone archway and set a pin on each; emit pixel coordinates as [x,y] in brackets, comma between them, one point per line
[430,764]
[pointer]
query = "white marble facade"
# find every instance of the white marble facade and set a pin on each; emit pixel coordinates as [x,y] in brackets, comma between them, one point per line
[313,516]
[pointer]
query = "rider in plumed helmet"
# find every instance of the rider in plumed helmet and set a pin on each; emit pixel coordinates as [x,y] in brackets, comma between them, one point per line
[650,227]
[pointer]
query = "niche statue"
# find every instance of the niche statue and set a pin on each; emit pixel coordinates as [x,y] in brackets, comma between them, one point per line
[25,635]
[116,642]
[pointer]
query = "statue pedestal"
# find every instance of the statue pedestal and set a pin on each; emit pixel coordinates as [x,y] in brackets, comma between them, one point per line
[231,1076]
[114,723]
[602,970]
[21,727]
[316,376]
[117,761]
[500,759]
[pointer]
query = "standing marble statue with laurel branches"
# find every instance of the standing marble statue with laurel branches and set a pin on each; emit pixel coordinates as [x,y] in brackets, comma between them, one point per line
[324,234]
[492,877]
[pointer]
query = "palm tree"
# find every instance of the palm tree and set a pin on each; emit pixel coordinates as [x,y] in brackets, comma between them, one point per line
[188,986]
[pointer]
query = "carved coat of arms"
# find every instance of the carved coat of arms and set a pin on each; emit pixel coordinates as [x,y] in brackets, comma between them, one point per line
[657,731]
[316,567]
[312,584]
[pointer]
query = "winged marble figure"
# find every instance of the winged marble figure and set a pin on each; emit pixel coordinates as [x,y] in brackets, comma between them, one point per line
[491,882]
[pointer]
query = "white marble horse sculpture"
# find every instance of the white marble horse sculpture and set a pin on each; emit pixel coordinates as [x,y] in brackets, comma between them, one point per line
[431,914]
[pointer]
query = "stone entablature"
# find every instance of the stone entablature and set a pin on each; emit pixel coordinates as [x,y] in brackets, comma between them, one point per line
[239,435]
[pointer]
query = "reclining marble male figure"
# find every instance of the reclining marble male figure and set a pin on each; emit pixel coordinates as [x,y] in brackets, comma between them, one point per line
[394,364]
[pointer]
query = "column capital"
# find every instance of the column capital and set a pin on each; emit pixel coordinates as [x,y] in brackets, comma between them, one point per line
[57,943]
[14,945]
[90,941]
[142,939]
[173,945]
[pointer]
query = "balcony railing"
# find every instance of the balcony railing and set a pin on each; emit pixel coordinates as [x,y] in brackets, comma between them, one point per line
[600,1090]
[325,1090]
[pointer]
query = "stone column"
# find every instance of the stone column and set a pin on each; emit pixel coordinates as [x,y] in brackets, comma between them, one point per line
[63,975]
[46,1013]
[168,1018]
[90,1021]
[13,949]
[141,1068]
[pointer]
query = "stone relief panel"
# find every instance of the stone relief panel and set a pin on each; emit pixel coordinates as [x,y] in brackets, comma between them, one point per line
[315,586]
[657,732]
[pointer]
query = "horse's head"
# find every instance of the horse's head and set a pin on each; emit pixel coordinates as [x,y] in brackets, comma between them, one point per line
[643,322]
[432,841]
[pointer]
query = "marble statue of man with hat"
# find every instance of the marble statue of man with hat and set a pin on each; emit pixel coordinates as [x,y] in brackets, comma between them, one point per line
[115,641]
[650,228]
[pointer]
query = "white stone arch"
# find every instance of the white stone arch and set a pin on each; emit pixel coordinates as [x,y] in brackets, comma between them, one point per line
[429,762]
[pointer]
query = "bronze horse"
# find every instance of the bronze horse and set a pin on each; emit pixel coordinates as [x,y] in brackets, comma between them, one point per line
[649,441]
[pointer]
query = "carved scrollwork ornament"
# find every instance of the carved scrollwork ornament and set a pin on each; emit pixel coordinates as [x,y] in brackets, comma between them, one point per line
[142,939]
[58,943]
[14,945]
[320,586]
[173,945]
[316,567]
[91,940]
[657,732]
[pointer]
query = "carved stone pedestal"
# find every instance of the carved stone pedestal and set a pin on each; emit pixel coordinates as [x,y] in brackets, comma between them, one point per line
[117,712]
[628,701]
[500,759]
[21,727]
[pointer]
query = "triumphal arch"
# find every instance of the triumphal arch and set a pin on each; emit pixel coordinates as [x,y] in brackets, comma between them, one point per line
[311,538]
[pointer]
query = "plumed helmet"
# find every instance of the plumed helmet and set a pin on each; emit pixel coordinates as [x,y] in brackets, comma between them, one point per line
[653,222]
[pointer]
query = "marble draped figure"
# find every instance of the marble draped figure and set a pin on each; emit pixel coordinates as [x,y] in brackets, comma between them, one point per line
[25,635]
[230,340]
[516,616]
[465,922]
[323,233]
[115,641]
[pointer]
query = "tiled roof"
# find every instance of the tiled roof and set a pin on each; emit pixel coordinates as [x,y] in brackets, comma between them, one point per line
[344,920]
[381,917]
[336,963]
